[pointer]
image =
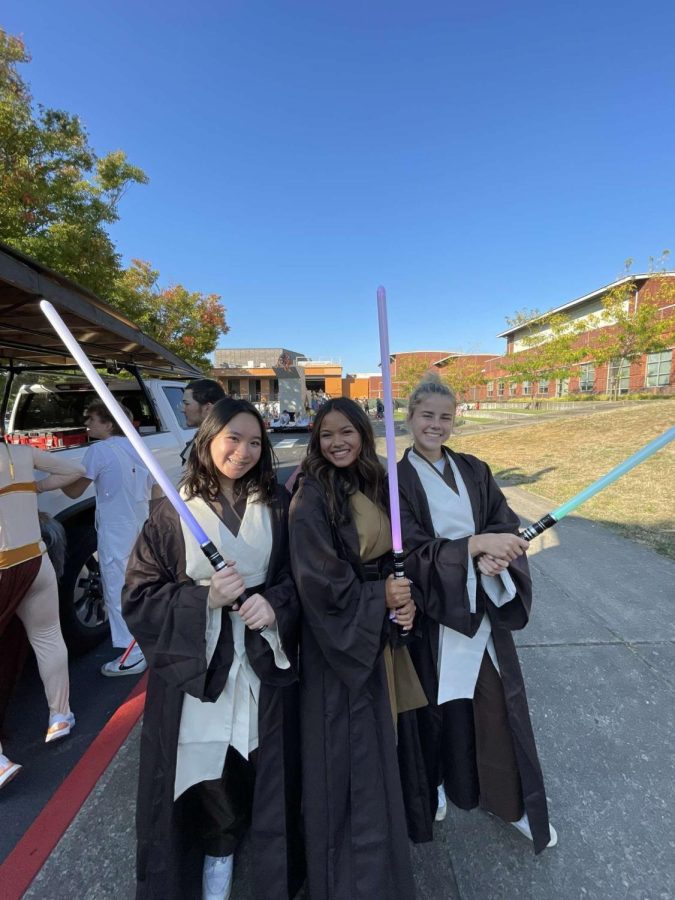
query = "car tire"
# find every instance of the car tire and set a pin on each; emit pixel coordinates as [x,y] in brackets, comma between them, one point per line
[84,621]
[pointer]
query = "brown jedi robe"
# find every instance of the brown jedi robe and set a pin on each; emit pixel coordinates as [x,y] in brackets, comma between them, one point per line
[438,568]
[355,827]
[166,613]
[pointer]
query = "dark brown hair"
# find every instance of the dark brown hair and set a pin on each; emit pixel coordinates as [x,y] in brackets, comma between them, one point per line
[98,408]
[202,478]
[367,473]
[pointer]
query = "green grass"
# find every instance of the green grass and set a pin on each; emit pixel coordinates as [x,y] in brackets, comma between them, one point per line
[556,459]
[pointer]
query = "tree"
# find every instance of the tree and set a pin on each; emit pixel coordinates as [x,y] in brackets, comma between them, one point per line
[187,322]
[461,373]
[408,375]
[57,198]
[522,317]
[635,325]
[551,350]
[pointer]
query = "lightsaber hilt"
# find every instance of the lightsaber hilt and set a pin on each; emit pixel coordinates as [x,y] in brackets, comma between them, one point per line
[399,572]
[538,527]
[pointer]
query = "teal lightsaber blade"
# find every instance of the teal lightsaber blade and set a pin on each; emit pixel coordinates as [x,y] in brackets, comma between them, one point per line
[640,456]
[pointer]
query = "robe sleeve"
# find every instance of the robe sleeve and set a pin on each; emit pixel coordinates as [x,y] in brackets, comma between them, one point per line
[281,593]
[165,610]
[347,617]
[501,519]
[438,568]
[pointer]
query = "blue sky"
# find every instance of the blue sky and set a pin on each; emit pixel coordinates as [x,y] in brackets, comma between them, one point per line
[473,157]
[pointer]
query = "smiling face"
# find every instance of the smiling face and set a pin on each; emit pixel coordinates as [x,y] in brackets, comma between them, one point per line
[339,440]
[236,449]
[431,424]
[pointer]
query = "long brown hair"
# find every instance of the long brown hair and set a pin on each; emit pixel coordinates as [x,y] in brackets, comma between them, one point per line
[366,474]
[202,478]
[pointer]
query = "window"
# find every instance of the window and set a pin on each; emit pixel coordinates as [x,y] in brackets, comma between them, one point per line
[658,369]
[562,387]
[500,388]
[513,387]
[586,378]
[490,388]
[618,377]
[543,386]
[175,397]
[527,388]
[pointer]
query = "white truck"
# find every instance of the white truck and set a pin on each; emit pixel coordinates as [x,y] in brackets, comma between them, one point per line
[49,415]
[43,398]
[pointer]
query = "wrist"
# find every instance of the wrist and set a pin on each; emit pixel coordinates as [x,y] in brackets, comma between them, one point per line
[476,545]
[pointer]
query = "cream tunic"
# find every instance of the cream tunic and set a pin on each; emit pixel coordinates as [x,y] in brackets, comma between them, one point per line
[207,730]
[459,656]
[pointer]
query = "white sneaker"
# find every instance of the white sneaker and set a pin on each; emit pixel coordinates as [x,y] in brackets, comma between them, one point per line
[217,877]
[442,810]
[523,826]
[133,664]
[8,770]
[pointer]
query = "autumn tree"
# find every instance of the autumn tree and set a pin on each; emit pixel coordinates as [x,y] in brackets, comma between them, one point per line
[57,201]
[57,197]
[461,374]
[551,349]
[635,324]
[187,322]
[408,375]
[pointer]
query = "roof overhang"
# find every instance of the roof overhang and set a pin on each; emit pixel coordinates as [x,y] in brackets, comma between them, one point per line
[639,279]
[106,336]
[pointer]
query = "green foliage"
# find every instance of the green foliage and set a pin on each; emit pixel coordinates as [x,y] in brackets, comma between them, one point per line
[408,375]
[522,317]
[187,322]
[462,373]
[637,325]
[57,200]
[552,350]
[56,196]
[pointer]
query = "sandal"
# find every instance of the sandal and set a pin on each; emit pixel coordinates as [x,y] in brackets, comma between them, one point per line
[60,726]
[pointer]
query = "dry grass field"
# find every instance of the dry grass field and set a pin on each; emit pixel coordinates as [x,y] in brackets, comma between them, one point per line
[557,459]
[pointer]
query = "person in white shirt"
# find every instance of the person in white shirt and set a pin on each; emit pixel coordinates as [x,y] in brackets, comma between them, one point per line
[123,490]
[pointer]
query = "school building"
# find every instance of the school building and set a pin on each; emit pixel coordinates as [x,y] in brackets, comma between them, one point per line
[254,372]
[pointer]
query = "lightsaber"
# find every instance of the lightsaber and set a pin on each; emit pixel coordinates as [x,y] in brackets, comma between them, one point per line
[206,545]
[640,456]
[392,471]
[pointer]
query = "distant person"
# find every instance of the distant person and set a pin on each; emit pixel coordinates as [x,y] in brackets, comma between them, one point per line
[198,398]
[123,489]
[366,407]
[379,408]
[28,587]
[468,563]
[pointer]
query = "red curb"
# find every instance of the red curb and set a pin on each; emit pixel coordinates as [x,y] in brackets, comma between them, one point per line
[30,854]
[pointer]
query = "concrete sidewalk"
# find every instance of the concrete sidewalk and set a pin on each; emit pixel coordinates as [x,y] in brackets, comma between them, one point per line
[599,663]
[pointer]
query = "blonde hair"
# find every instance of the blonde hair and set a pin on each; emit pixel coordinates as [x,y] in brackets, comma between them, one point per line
[430,385]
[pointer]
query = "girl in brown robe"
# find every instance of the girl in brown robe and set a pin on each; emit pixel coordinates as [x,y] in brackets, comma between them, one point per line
[219,747]
[355,827]
[467,562]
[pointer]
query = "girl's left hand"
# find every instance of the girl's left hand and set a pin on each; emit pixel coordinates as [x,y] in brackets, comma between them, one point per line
[257,613]
[488,565]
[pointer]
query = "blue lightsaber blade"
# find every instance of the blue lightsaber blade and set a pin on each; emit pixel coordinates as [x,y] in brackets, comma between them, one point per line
[640,456]
[206,545]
